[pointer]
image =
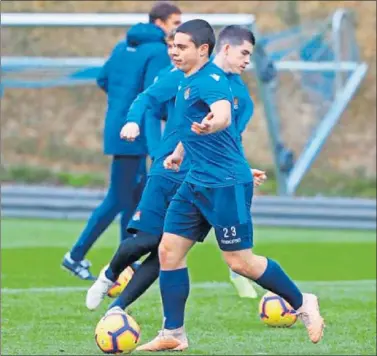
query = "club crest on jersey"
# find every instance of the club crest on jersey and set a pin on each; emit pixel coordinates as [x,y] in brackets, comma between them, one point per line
[187,93]
[137,216]
[235,102]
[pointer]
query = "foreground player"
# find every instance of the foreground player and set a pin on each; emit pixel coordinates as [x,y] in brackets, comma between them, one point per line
[233,55]
[131,68]
[217,192]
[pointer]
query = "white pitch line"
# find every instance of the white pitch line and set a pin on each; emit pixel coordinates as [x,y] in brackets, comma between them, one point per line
[43,290]
[203,285]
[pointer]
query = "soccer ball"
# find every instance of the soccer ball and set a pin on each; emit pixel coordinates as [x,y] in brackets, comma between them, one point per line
[121,282]
[275,311]
[117,333]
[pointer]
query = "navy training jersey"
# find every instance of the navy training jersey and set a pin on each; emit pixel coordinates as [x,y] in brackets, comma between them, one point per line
[170,139]
[162,91]
[243,110]
[216,160]
[243,105]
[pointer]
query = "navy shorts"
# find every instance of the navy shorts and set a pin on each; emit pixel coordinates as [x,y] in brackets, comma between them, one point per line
[195,209]
[150,213]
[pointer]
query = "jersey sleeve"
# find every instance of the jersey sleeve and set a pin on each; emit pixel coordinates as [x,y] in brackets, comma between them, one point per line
[103,77]
[214,88]
[164,89]
[152,130]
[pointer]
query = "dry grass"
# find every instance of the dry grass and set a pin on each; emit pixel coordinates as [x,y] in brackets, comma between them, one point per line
[77,114]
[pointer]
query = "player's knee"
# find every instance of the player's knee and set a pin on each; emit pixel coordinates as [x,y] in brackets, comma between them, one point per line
[127,249]
[237,266]
[169,255]
[165,253]
[233,261]
[240,263]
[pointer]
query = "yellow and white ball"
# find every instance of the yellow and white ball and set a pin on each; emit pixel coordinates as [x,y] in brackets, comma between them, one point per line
[117,333]
[275,311]
[121,282]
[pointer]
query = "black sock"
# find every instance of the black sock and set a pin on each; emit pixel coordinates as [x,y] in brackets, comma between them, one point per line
[143,278]
[129,251]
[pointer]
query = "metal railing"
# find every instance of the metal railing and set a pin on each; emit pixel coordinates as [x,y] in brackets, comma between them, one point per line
[18,201]
[349,74]
[290,172]
[110,20]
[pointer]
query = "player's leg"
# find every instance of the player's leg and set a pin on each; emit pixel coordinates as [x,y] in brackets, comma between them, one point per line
[148,223]
[129,251]
[149,217]
[269,275]
[184,225]
[126,214]
[122,180]
[145,275]
[234,233]
[266,273]
[174,289]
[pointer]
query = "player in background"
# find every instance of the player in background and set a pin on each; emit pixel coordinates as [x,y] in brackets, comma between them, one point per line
[217,192]
[130,69]
[162,184]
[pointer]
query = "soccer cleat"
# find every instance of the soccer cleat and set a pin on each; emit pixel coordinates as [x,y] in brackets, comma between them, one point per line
[309,314]
[243,285]
[78,268]
[167,340]
[115,310]
[98,291]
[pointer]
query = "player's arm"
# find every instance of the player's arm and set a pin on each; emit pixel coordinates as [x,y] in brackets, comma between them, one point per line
[156,95]
[215,92]
[102,79]
[153,132]
[259,177]
[174,160]
[179,150]
[219,119]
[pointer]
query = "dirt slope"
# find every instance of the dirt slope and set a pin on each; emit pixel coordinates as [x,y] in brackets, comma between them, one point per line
[61,128]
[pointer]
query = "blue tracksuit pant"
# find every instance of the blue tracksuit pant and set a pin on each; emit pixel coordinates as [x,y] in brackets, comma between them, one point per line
[127,180]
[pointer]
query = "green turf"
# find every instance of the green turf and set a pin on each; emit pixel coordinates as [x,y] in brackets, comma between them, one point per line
[339,266]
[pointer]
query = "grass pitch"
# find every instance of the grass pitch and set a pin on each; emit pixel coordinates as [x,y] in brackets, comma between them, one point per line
[43,310]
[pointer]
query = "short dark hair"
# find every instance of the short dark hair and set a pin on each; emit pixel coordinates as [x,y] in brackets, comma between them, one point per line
[234,35]
[163,10]
[201,33]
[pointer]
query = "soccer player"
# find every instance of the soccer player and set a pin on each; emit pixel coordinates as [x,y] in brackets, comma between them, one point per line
[162,184]
[217,192]
[131,68]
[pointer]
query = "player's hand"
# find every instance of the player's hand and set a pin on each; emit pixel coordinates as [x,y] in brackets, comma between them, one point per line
[259,177]
[203,128]
[173,162]
[130,131]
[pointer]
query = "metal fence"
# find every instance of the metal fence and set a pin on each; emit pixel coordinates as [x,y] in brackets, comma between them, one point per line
[19,201]
[306,75]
